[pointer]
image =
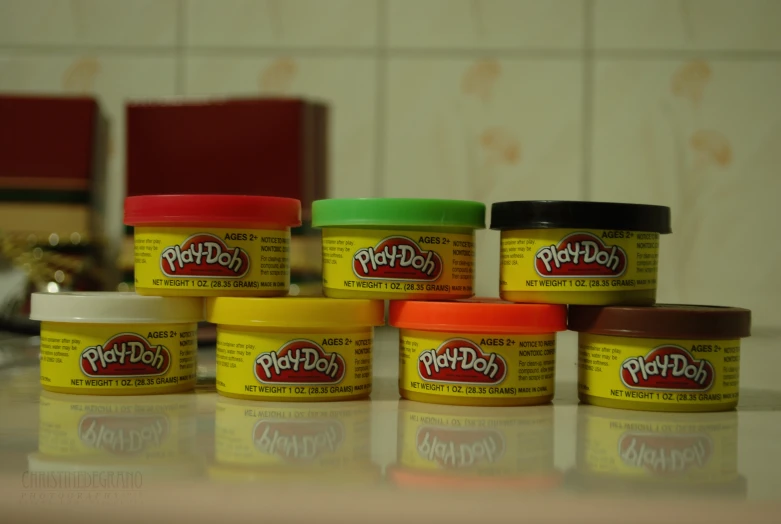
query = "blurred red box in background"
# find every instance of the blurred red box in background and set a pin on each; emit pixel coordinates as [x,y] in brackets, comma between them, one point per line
[52,167]
[47,142]
[261,146]
[273,147]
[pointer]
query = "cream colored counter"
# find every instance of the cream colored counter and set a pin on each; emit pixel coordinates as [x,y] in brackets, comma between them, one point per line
[202,458]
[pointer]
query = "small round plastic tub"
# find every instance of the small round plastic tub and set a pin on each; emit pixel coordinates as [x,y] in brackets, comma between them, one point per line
[212,245]
[477,352]
[590,253]
[398,248]
[660,358]
[294,349]
[117,343]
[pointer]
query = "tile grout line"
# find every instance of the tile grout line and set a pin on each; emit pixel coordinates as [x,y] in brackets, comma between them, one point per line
[181,20]
[380,93]
[409,53]
[587,102]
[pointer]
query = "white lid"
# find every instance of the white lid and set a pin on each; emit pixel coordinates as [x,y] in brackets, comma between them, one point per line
[114,308]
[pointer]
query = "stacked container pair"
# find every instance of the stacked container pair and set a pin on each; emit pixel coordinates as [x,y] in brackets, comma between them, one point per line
[602,260]
[453,349]
[420,255]
[225,258]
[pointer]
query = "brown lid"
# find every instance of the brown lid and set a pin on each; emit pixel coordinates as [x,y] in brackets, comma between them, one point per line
[662,321]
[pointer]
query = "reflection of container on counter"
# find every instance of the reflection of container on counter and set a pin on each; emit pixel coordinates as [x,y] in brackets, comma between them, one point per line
[292,441]
[469,447]
[560,252]
[398,248]
[666,453]
[148,434]
[117,343]
[212,245]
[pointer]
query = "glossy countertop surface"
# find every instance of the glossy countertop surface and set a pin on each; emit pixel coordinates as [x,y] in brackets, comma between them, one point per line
[201,457]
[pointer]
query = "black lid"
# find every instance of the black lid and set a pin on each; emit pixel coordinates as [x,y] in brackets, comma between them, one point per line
[552,214]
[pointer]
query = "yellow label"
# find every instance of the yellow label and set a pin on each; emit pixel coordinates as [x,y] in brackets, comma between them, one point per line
[398,262]
[675,372]
[657,447]
[283,365]
[477,366]
[99,358]
[118,429]
[512,444]
[578,260]
[212,260]
[330,436]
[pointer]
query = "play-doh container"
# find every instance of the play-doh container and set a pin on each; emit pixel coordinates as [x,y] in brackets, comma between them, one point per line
[660,358]
[398,248]
[117,343]
[592,253]
[479,352]
[212,245]
[294,349]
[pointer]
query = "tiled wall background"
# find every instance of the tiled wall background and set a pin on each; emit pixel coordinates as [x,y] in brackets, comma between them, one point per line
[675,102]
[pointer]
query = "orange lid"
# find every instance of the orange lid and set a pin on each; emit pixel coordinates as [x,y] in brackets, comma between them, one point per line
[476,315]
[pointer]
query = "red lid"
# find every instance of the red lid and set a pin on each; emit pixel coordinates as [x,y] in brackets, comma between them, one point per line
[214,209]
[477,315]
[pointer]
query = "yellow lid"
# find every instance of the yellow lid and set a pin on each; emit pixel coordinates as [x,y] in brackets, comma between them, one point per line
[294,312]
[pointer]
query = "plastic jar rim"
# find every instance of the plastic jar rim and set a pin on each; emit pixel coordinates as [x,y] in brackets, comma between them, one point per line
[294,312]
[479,316]
[214,209]
[565,214]
[681,321]
[107,307]
[398,212]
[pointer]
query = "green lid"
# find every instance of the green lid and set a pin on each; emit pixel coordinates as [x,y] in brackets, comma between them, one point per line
[398,212]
